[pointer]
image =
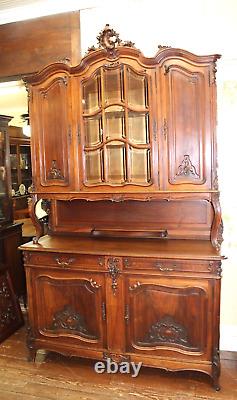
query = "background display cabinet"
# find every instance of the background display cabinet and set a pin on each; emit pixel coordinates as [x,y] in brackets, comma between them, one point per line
[124,156]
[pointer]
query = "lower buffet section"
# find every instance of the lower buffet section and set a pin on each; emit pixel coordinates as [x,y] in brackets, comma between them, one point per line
[129,304]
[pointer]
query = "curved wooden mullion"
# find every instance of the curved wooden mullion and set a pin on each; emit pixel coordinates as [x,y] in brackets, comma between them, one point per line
[39,225]
[93,114]
[128,142]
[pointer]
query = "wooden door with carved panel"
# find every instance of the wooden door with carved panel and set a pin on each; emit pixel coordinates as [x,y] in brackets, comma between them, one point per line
[50,108]
[187,131]
[168,314]
[117,128]
[68,308]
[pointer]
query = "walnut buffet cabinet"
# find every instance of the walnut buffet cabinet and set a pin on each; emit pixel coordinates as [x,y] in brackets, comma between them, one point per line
[124,152]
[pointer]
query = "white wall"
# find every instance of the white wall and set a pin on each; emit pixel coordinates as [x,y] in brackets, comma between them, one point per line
[203,27]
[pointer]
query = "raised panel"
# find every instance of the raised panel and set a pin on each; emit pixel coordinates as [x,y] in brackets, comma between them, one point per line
[54,133]
[187,127]
[167,315]
[69,308]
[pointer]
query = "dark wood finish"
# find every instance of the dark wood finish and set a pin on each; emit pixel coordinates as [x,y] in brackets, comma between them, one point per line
[10,313]
[28,46]
[128,165]
[10,240]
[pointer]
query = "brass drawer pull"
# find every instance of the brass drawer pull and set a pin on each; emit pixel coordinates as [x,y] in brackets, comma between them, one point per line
[165,269]
[64,264]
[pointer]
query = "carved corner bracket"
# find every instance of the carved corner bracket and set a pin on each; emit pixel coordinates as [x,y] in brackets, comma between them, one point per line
[39,225]
[217,225]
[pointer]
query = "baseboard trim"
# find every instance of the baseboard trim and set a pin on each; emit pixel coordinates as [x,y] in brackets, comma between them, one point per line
[228,355]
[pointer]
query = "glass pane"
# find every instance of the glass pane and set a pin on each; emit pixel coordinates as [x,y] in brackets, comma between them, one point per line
[3,186]
[113,85]
[116,162]
[94,166]
[93,130]
[137,89]
[114,122]
[140,165]
[138,128]
[91,94]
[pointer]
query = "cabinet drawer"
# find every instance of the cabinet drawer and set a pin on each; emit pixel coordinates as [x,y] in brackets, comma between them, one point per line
[169,265]
[64,260]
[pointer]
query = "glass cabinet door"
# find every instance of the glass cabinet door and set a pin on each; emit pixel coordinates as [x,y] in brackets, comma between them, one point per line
[5,200]
[117,148]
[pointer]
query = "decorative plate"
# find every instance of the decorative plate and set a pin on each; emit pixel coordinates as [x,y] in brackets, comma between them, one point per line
[13,192]
[22,189]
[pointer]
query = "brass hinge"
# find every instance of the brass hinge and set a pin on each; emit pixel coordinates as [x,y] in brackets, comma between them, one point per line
[164,128]
[78,134]
[70,134]
[103,309]
[126,315]
[154,130]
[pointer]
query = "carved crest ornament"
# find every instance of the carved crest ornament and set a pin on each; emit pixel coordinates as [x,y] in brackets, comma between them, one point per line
[109,39]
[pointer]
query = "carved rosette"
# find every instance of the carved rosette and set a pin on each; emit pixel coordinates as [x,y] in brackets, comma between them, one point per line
[114,271]
[69,320]
[186,168]
[166,330]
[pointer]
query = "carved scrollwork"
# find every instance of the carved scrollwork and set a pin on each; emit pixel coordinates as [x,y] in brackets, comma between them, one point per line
[55,172]
[26,257]
[215,267]
[39,225]
[212,74]
[118,358]
[216,369]
[46,206]
[69,320]
[186,168]
[134,286]
[108,39]
[217,225]
[114,271]
[166,330]
[94,284]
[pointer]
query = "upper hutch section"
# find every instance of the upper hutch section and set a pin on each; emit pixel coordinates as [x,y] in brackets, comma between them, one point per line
[123,123]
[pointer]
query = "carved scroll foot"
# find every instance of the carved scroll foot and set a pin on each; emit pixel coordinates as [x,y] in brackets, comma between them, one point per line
[39,226]
[216,385]
[30,344]
[216,369]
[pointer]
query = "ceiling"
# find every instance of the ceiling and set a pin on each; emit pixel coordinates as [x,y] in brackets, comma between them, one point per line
[19,10]
[13,95]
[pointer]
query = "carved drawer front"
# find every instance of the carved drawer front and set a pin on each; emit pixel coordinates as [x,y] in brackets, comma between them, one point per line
[165,266]
[64,260]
